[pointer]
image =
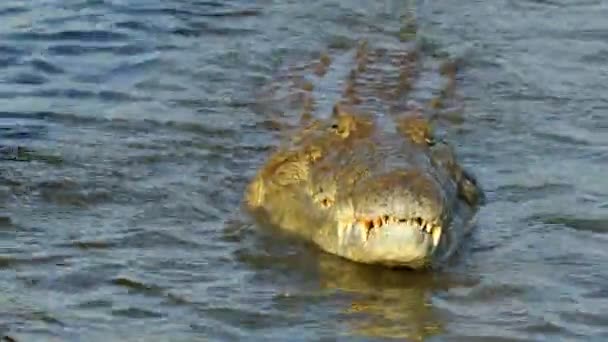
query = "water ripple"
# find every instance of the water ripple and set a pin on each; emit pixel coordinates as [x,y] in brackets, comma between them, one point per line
[129,130]
[81,36]
[13,11]
[599,225]
[46,67]
[80,50]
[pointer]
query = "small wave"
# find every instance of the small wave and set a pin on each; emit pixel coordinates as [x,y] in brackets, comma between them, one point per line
[149,11]
[95,304]
[517,193]
[77,278]
[20,154]
[237,13]
[11,51]
[28,79]
[10,11]
[136,286]
[136,26]
[599,293]
[148,239]
[137,313]
[598,320]
[92,244]
[46,67]
[595,225]
[194,10]
[204,28]
[66,192]
[246,319]
[5,221]
[598,58]
[75,119]
[485,293]
[80,50]
[9,61]
[83,94]
[12,262]
[82,36]
[17,128]
[75,94]
[543,327]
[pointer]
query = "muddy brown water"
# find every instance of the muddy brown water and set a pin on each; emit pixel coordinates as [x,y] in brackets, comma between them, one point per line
[138,125]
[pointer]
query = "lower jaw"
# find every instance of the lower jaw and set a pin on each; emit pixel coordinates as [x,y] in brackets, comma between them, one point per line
[418,258]
[415,250]
[415,264]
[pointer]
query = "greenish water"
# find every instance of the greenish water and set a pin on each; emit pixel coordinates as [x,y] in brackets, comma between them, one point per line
[139,124]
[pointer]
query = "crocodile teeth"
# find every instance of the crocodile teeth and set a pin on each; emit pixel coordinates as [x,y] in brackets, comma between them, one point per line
[424,226]
[436,234]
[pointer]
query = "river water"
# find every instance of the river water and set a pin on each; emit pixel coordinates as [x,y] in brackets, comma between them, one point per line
[129,129]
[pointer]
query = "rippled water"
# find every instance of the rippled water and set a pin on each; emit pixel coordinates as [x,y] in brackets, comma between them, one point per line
[128,130]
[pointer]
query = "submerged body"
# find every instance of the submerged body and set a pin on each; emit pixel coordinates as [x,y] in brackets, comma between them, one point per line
[373,193]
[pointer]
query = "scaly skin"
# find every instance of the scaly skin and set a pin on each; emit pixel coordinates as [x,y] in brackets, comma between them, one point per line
[397,198]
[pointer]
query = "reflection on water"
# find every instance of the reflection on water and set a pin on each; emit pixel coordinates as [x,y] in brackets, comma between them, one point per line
[366,301]
[385,303]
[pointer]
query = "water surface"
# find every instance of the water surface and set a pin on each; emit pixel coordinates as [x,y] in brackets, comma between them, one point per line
[129,129]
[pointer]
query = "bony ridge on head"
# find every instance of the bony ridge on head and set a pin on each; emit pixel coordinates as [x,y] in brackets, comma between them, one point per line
[416,128]
[347,121]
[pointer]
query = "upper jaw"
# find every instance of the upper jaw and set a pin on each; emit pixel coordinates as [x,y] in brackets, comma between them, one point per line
[429,228]
[393,243]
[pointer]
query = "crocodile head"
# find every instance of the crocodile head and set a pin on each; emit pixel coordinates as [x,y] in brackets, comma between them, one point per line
[365,193]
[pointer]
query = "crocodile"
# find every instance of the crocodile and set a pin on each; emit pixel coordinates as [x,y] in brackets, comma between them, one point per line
[391,195]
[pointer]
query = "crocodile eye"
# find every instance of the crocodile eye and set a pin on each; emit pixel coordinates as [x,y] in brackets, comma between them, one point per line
[334,126]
